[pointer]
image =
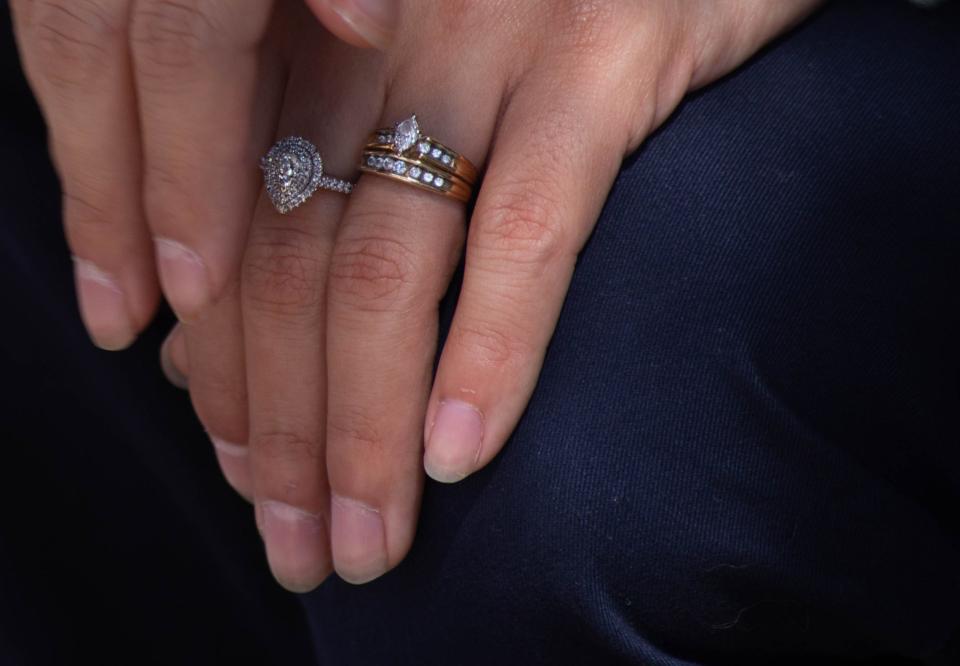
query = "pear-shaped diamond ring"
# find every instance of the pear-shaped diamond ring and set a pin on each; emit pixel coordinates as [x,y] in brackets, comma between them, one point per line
[293,171]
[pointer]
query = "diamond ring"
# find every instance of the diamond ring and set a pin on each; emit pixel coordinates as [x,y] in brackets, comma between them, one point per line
[293,171]
[405,154]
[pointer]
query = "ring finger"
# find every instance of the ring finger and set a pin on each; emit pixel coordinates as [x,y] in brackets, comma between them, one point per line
[394,255]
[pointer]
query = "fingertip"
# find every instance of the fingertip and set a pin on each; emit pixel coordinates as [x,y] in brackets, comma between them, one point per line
[455,441]
[173,358]
[103,307]
[358,541]
[362,23]
[184,278]
[297,544]
[235,466]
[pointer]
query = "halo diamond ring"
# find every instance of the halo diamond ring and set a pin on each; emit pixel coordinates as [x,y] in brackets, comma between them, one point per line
[293,171]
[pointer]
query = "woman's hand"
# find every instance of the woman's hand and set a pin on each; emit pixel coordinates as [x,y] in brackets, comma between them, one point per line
[339,307]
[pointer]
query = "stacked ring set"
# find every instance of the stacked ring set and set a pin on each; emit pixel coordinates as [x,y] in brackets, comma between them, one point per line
[293,169]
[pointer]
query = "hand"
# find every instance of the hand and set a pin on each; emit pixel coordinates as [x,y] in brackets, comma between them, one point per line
[550,96]
[158,113]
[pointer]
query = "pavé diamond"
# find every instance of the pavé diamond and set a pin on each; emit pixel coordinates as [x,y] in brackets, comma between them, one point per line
[388,163]
[415,172]
[405,135]
[424,147]
[427,177]
[400,167]
[436,153]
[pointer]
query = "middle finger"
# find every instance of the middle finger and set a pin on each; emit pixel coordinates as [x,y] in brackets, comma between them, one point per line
[282,294]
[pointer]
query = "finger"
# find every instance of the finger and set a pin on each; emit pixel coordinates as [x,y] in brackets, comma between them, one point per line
[218,387]
[394,255]
[364,23]
[196,67]
[76,59]
[173,358]
[208,101]
[550,170]
[283,285]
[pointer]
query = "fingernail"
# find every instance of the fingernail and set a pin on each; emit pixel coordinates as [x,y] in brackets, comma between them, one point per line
[359,540]
[296,543]
[373,20]
[234,465]
[102,307]
[183,276]
[455,440]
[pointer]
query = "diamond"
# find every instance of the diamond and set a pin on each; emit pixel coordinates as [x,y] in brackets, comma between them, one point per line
[436,153]
[427,177]
[405,135]
[292,172]
[424,147]
[371,160]
[446,159]
[415,172]
[379,163]
[400,167]
[388,163]
[382,138]
[438,181]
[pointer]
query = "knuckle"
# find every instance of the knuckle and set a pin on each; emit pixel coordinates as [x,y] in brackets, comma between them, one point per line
[286,445]
[371,272]
[354,428]
[588,26]
[520,226]
[220,405]
[167,196]
[282,273]
[488,345]
[169,36]
[87,213]
[74,42]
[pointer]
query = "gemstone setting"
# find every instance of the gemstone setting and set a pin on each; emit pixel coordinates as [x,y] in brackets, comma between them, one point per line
[406,134]
[292,172]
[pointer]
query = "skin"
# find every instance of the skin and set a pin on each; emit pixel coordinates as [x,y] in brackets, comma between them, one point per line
[307,340]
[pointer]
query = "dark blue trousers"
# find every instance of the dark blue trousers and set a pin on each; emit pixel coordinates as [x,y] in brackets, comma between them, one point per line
[744,447]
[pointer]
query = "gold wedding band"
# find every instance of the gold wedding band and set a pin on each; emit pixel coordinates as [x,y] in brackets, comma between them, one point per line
[404,154]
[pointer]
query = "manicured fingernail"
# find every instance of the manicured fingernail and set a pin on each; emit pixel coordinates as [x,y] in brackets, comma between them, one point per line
[183,276]
[455,440]
[296,543]
[358,539]
[234,465]
[102,307]
[373,20]
[168,360]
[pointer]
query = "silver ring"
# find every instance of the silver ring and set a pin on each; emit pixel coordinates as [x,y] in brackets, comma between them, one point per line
[293,171]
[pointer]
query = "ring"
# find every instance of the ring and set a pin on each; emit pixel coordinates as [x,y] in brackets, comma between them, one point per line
[404,154]
[293,171]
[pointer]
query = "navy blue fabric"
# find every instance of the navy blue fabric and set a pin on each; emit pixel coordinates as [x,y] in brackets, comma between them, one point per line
[743,448]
